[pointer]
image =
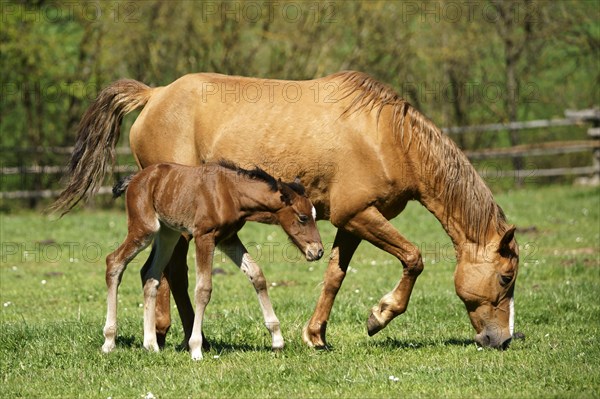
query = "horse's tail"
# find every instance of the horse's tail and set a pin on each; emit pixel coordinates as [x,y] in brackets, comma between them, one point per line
[97,136]
[120,186]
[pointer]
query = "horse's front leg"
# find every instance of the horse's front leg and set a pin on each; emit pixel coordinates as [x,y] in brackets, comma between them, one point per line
[151,278]
[238,253]
[344,246]
[205,246]
[372,226]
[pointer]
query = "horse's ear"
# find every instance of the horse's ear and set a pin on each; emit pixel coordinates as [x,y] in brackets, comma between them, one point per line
[507,244]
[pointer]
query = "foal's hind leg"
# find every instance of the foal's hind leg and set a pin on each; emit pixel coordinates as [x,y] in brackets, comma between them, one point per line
[236,251]
[116,263]
[163,248]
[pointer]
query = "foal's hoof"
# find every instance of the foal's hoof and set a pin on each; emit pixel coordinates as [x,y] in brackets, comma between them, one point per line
[374,325]
[107,348]
[151,347]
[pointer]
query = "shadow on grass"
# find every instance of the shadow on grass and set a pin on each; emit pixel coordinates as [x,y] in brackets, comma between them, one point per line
[220,346]
[395,343]
[126,342]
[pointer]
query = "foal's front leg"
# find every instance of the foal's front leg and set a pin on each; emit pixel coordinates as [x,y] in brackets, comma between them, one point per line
[205,246]
[236,251]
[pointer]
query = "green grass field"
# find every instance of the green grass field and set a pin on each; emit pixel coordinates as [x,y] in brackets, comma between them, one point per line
[52,297]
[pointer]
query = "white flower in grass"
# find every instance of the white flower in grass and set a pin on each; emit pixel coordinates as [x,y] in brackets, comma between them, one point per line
[149,395]
[43,282]
[393,378]
[7,304]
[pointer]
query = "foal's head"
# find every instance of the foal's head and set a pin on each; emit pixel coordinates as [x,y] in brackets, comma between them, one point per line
[297,217]
[290,208]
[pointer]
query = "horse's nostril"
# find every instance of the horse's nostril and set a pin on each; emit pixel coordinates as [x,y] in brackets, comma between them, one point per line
[320,253]
[506,344]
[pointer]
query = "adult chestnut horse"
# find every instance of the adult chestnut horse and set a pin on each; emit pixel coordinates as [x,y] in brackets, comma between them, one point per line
[360,149]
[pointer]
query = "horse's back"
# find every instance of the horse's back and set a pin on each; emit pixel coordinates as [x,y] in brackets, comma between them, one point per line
[289,128]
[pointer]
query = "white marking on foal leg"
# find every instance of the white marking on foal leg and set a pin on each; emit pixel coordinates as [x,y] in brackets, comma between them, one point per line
[150,290]
[110,327]
[511,316]
[314,213]
[257,278]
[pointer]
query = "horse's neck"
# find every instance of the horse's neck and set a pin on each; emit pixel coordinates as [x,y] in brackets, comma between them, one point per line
[450,188]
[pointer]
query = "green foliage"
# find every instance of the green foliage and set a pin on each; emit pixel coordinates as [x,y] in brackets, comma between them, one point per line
[460,63]
[53,301]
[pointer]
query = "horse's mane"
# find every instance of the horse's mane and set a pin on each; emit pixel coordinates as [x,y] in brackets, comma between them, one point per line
[454,179]
[259,174]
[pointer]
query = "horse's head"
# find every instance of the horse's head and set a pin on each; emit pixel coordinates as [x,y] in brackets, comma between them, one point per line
[297,217]
[485,281]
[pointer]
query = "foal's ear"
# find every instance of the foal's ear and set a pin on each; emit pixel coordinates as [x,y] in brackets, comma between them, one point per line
[286,193]
[507,244]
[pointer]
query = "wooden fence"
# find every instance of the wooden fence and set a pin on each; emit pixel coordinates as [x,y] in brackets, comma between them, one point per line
[572,118]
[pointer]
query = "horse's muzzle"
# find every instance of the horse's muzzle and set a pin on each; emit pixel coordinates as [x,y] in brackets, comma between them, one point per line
[491,340]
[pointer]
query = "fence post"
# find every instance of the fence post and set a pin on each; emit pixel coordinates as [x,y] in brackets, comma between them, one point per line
[590,116]
[594,133]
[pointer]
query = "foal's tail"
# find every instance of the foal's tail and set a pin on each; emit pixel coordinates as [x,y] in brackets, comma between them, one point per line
[120,186]
[97,136]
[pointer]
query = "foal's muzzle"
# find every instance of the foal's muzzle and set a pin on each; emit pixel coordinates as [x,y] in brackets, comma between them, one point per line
[314,252]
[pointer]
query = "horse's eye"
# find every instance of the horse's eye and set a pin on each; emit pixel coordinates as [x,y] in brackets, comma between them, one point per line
[303,218]
[506,279]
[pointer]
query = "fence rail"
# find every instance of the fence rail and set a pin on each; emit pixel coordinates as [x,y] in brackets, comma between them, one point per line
[573,118]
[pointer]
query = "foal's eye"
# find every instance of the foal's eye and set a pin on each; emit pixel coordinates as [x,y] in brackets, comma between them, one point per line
[506,279]
[303,218]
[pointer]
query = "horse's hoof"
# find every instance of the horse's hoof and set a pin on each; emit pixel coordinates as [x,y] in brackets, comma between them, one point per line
[374,325]
[161,339]
[315,340]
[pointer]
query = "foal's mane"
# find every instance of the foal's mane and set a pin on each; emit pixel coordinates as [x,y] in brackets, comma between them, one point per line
[453,179]
[259,174]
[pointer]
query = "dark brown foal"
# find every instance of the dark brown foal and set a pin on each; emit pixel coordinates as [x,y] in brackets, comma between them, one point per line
[211,203]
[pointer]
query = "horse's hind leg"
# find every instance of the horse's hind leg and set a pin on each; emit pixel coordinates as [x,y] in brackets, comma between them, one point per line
[162,250]
[372,226]
[236,251]
[176,273]
[116,263]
